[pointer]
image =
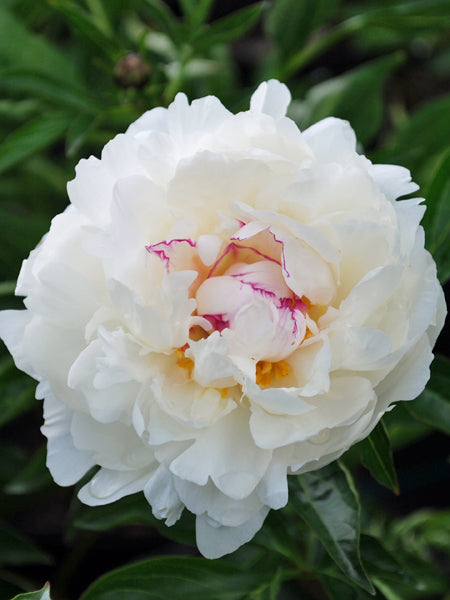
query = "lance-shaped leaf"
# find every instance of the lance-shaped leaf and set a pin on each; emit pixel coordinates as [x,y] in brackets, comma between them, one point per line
[32,137]
[436,220]
[16,549]
[328,502]
[377,457]
[433,405]
[178,578]
[43,594]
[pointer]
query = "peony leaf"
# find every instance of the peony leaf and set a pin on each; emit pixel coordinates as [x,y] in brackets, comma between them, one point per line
[162,15]
[340,590]
[16,396]
[32,137]
[382,565]
[16,549]
[49,89]
[377,457]
[86,26]
[183,578]
[429,124]
[43,594]
[228,28]
[196,11]
[433,405]
[291,22]
[355,96]
[22,49]
[436,220]
[133,510]
[399,575]
[327,501]
[424,529]
[34,476]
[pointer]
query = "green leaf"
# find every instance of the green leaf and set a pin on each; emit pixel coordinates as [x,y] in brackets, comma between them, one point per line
[22,49]
[32,137]
[33,477]
[78,131]
[436,220]
[433,405]
[327,501]
[422,137]
[43,594]
[356,96]
[7,288]
[16,396]
[196,11]
[131,510]
[424,529]
[228,28]
[342,590]
[47,88]
[16,549]
[381,564]
[413,16]
[275,536]
[11,460]
[162,15]
[290,22]
[19,235]
[377,457]
[86,26]
[8,589]
[177,578]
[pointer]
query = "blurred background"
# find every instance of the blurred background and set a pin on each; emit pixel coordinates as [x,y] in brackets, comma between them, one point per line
[75,73]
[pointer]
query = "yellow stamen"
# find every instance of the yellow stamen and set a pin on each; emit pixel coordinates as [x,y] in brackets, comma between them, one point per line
[184,362]
[267,371]
[281,369]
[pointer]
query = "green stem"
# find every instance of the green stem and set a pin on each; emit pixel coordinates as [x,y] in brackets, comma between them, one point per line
[319,45]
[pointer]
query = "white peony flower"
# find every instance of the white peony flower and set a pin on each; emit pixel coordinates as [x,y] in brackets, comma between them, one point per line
[226,301]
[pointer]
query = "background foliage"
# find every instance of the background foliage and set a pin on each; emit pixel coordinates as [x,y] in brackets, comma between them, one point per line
[75,73]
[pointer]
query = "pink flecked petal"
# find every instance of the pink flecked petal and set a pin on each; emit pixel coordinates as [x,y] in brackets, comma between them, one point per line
[177,255]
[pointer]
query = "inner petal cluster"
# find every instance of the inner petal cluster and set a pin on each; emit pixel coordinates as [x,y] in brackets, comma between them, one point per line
[240,292]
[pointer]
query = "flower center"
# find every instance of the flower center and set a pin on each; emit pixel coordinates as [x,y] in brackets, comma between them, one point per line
[241,293]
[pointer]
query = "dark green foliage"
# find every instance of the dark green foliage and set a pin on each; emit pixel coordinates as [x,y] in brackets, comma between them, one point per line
[383,66]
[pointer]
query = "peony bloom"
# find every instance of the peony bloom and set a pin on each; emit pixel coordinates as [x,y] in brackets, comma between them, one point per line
[226,301]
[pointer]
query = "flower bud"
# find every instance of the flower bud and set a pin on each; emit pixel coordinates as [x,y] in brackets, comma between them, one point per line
[132,71]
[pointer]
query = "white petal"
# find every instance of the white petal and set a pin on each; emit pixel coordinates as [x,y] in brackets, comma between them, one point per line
[359,349]
[394,181]
[13,324]
[409,377]
[227,454]
[214,542]
[162,496]
[208,499]
[114,446]
[306,273]
[273,489]
[347,399]
[108,486]
[66,463]
[208,247]
[272,98]
[370,293]
[152,120]
[332,140]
